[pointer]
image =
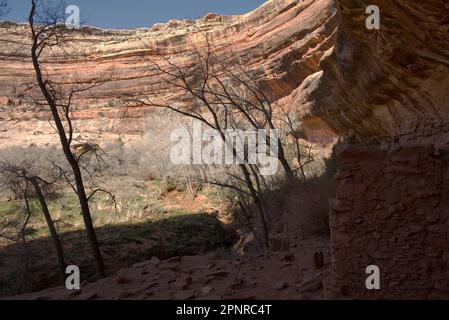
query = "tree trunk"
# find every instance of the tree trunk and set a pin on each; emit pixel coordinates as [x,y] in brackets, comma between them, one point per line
[85,209]
[51,227]
[80,191]
[301,166]
[288,170]
[281,155]
[258,203]
[254,195]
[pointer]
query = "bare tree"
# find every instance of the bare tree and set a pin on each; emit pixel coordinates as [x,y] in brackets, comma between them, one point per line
[20,179]
[14,229]
[239,89]
[219,110]
[47,33]
[303,158]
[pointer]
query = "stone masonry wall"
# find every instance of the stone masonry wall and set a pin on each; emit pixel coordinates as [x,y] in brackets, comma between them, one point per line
[391,210]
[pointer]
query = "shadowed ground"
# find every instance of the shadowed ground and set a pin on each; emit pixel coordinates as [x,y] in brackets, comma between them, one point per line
[121,245]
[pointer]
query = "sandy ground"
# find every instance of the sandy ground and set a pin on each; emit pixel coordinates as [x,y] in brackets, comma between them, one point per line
[289,274]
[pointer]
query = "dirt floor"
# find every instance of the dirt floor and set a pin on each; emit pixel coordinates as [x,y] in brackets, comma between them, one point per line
[287,274]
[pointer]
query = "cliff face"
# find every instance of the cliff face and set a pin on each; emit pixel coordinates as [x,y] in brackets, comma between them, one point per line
[283,41]
[392,81]
[316,55]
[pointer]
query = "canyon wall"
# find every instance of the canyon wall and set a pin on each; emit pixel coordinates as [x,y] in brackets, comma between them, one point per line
[388,82]
[282,42]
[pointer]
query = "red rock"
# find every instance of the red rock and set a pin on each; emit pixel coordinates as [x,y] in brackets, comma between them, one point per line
[240,297]
[218,274]
[124,295]
[183,283]
[281,286]
[151,285]
[174,260]
[206,290]
[5,101]
[184,295]
[169,266]
[155,261]
[311,286]
[75,292]
[91,296]
[141,264]
[121,278]
[288,257]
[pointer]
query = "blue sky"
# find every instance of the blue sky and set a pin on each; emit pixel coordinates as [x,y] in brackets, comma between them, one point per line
[126,14]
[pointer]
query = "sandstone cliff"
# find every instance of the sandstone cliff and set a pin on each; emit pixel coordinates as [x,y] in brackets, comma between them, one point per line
[315,55]
[392,81]
[283,41]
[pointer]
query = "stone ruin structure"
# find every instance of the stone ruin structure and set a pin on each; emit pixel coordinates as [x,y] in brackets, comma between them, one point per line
[391,210]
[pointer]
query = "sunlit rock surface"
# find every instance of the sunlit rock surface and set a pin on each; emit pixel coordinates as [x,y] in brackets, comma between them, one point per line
[315,55]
